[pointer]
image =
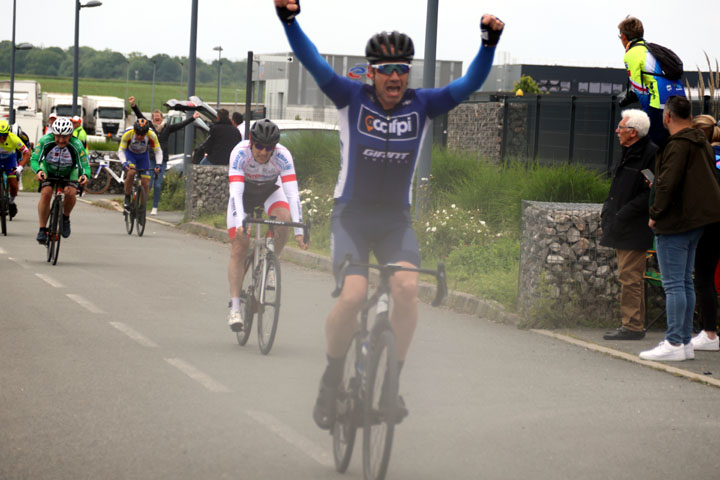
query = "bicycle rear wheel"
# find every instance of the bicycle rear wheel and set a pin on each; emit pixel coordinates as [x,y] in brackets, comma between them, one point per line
[140,211]
[269,307]
[249,305]
[347,408]
[379,408]
[4,207]
[100,182]
[130,216]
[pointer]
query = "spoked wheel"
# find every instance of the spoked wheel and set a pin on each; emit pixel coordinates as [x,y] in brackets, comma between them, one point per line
[4,207]
[380,405]
[347,408]
[54,234]
[269,307]
[249,305]
[130,217]
[100,184]
[140,211]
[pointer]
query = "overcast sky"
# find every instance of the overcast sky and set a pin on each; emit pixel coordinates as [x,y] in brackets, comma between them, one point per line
[561,32]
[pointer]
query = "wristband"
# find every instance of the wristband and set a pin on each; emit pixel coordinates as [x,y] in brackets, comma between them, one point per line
[489,36]
[286,15]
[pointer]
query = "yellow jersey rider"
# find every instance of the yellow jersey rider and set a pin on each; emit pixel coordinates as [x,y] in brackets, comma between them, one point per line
[134,151]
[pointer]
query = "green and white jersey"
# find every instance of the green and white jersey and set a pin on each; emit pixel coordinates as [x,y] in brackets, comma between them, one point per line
[67,162]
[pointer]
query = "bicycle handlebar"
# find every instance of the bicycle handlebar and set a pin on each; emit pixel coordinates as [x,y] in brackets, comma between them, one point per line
[391,268]
[278,223]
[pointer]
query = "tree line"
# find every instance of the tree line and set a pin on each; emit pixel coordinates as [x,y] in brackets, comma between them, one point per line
[108,64]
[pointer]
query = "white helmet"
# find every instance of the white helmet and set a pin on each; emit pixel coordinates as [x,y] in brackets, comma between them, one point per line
[62,126]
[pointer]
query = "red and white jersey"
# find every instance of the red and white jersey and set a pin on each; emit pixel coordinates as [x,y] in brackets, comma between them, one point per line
[247,176]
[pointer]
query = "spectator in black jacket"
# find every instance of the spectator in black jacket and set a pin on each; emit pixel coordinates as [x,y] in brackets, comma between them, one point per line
[625,217]
[238,122]
[221,140]
[163,131]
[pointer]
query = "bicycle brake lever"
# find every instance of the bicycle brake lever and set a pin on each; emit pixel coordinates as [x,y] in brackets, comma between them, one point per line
[306,233]
[441,285]
[340,277]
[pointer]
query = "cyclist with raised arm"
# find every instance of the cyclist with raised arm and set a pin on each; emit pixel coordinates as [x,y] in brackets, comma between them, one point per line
[10,145]
[134,152]
[381,130]
[59,154]
[261,174]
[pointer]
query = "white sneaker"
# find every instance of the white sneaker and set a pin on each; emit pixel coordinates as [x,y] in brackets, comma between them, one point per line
[153,211]
[666,352]
[689,351]
[704,343]
[235,321]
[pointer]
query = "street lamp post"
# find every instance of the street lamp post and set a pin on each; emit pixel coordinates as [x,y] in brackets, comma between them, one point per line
[127,80]
[78,6]
[219,50]
[182,67]
[22,46]
[152,102]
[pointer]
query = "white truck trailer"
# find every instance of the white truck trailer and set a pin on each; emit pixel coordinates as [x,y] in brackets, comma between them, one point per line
[104,115]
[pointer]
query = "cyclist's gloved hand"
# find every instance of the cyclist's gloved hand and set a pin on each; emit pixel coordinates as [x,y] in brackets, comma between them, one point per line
[83,179]
[285,14]
[41,175]
[18,170]
[491,31]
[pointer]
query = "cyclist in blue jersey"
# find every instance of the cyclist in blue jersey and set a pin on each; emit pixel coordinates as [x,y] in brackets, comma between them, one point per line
[381,130]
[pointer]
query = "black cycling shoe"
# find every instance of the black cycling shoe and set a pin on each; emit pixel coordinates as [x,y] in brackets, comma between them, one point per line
[325,405]
[42,236]
[13,210]
[65,227]
[398,410]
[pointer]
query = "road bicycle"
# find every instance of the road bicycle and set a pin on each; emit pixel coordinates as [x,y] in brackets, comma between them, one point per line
[104,174]
[137,210]
[54,226]
[262,281]
[4,204]
[368,393]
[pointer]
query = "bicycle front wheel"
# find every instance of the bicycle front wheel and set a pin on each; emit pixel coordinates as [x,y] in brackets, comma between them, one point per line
[140,211]
[54,235]
[4,207]
[130,217]
[380,404]
[100,182]
[347,408]
[269,307]
[249,306]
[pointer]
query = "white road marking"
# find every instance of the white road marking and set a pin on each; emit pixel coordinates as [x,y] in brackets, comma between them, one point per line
[18,261]
[200,377]
[302,443]
[49,280]
[2,251]
[84,303]
[138,337]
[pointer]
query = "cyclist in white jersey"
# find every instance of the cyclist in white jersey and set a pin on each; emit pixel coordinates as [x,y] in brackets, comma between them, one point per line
[261,174]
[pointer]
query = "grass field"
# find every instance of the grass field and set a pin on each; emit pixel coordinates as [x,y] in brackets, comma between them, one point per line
[142,91]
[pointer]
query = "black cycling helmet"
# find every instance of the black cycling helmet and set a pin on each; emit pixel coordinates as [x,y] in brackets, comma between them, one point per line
[384,46]
[265,132]
[141,126]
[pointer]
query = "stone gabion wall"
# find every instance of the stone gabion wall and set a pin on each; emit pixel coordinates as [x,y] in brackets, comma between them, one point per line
[516,142]
[561,243]
[476,127]
[210,189]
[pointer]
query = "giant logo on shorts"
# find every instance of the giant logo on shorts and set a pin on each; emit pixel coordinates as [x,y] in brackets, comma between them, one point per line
[398,127]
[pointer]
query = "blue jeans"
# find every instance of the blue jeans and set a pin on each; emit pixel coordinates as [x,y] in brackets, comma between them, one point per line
[676,256]
[157,182]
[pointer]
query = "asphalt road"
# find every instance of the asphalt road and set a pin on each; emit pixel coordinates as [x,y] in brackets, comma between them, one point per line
[118,364]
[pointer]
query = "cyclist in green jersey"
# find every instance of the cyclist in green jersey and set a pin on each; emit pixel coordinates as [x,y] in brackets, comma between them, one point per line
[59,154]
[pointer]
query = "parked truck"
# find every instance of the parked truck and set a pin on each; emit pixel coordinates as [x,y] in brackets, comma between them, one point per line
[59,104]
[103,116]
[26,96]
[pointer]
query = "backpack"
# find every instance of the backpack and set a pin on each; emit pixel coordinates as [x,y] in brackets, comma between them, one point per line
[670,63]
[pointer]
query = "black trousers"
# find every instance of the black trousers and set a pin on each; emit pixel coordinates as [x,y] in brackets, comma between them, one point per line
[706,260]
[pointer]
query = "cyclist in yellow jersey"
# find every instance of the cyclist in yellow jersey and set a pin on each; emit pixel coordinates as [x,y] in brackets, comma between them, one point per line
[9,144]
[134,152]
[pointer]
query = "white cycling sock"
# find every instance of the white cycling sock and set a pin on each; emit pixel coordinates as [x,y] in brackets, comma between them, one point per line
[235,304]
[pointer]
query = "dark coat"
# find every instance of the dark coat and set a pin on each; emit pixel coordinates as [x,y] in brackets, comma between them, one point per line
[220,141]
[686,192]
[625,212]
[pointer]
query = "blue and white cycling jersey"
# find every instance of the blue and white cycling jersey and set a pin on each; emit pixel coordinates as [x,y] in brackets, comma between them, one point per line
[379,149]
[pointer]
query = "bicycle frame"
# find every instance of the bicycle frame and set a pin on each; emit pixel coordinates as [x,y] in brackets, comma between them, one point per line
[105,163]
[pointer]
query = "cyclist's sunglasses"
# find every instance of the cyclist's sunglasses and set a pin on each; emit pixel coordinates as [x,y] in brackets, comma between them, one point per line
[267,148]
[389,68]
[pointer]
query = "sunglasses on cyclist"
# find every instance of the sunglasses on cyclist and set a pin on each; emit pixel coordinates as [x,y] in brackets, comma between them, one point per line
[389,68]
[267,148]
